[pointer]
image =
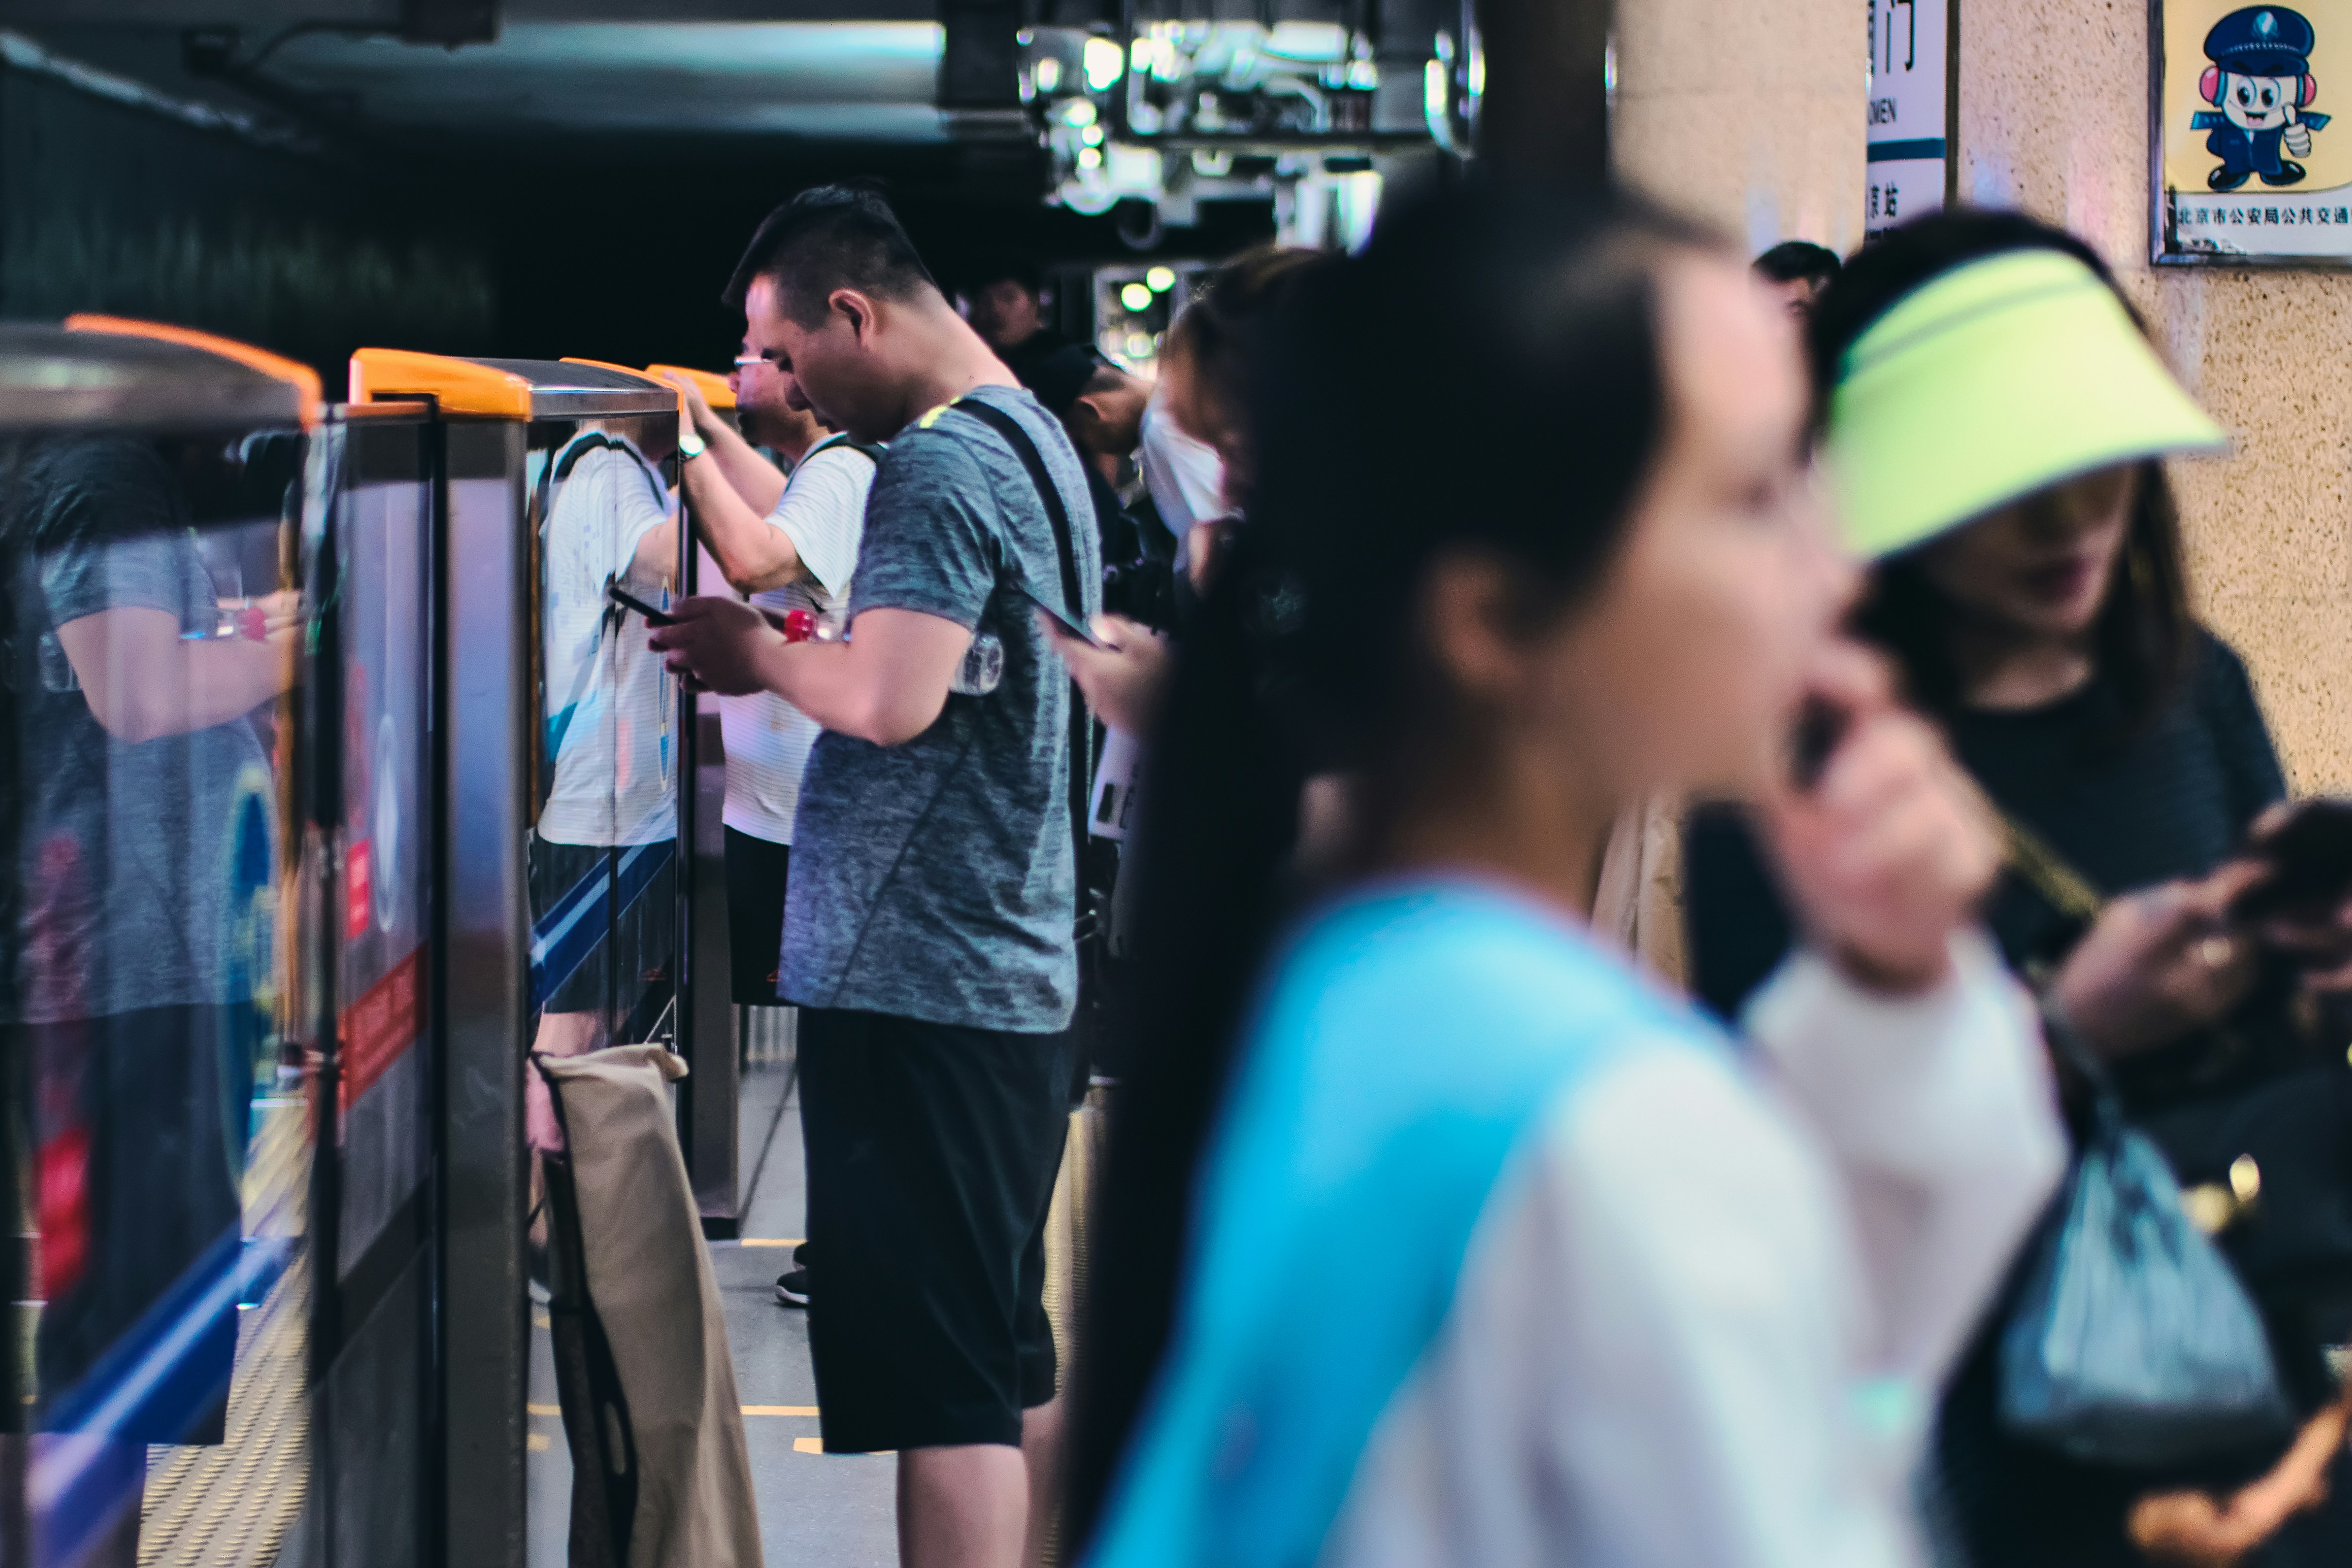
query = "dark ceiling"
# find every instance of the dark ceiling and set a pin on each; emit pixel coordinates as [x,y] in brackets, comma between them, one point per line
[611,155]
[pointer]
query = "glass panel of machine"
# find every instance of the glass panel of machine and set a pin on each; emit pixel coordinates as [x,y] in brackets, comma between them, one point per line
[382,612]
[602,860]
[151,638]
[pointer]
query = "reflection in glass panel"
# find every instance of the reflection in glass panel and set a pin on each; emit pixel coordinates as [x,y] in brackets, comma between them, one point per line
[602,853]
[602,856]
[150,636]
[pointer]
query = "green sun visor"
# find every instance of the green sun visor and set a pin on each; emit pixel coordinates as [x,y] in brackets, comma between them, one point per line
[1994,381]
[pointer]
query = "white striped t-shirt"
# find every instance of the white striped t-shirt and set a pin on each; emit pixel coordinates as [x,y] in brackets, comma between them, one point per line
[609,700]
[823,512]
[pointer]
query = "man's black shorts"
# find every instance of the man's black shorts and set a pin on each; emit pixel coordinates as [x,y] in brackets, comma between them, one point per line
[931,1151]
[756,871]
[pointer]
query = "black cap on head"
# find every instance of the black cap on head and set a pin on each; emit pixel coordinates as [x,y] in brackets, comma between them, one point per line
[828,237]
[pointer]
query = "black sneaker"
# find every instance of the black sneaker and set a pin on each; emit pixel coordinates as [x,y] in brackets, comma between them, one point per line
[801,1256]
[793,1288]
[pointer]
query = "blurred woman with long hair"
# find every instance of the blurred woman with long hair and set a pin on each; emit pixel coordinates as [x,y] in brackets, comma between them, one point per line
[1433,1233]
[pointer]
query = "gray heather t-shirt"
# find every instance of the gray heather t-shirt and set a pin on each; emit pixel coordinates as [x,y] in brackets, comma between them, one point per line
[135,856]
[936,879]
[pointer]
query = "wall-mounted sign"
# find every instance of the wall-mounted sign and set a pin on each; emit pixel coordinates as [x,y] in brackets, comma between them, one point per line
[2247,167]
[1910,114]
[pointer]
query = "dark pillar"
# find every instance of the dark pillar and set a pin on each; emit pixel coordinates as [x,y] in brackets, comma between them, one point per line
[1545,113]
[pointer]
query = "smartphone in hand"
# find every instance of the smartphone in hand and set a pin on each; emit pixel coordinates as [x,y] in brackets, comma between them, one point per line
[1061,617]
[629,601]
[2310,859]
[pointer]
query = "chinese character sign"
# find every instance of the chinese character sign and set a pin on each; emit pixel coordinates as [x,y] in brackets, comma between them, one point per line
[1908,125]
[2247,164]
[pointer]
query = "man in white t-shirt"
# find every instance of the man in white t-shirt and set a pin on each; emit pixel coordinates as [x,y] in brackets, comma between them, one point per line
[789,545]
[608,740]
[609,701]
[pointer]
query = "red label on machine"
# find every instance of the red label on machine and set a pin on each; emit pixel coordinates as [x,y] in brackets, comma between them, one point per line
[358,894]
[381,1024]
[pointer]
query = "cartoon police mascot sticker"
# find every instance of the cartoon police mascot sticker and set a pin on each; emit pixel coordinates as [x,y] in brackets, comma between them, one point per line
[2261,84]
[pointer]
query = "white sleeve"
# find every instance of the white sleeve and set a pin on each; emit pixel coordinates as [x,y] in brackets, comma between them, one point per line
[1703,1404]
[620,483]
[1941,1119]
[823,512]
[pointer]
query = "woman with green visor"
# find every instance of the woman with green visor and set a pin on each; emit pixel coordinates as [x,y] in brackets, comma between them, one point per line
[1993,422]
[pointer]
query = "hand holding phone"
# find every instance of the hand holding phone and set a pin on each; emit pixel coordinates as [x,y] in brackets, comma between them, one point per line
[1060,617]
[1883,847]
[2307,854]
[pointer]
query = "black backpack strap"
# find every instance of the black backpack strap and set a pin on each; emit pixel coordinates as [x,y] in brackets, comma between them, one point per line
[562,462]
[1073,600]
[871,451]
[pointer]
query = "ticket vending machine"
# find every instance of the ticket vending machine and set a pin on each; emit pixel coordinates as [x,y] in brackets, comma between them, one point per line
[219,1065]
[567,844]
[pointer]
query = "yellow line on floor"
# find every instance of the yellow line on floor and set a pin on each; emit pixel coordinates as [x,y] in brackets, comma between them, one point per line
[748,1409]
[772,1241]
[808,1445]
[539,1442]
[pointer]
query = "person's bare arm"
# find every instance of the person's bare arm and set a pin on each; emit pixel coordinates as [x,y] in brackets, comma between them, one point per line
[758,481]
[656,558]
[754,552]
[888,683]
[142,680]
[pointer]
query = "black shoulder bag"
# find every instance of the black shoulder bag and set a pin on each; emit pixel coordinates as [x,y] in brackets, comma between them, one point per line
[2259,1135]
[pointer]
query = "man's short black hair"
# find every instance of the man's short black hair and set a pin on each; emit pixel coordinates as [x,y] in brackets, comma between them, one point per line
[829,238]
[1799,261]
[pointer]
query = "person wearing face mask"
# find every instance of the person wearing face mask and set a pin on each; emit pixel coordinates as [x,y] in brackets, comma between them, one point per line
[1432,1233]
[1994,418]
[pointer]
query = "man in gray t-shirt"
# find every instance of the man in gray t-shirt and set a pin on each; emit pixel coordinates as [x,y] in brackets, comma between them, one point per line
[936,877]
[934,884]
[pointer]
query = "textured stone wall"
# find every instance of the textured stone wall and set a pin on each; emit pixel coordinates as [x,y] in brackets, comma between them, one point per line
[2269,352]
[1749,114]
[1753,115]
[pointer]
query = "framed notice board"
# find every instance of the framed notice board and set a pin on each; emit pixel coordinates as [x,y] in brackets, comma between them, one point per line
[2251,164]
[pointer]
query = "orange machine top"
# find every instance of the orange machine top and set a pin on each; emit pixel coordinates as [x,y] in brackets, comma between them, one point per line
[509,388]
[301,377]
[714,388]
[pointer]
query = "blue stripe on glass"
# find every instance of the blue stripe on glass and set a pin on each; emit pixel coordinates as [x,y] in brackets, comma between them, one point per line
[564,937]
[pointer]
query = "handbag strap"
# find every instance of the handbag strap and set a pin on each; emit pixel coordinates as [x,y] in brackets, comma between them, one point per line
[2047,873]
[1073,601]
